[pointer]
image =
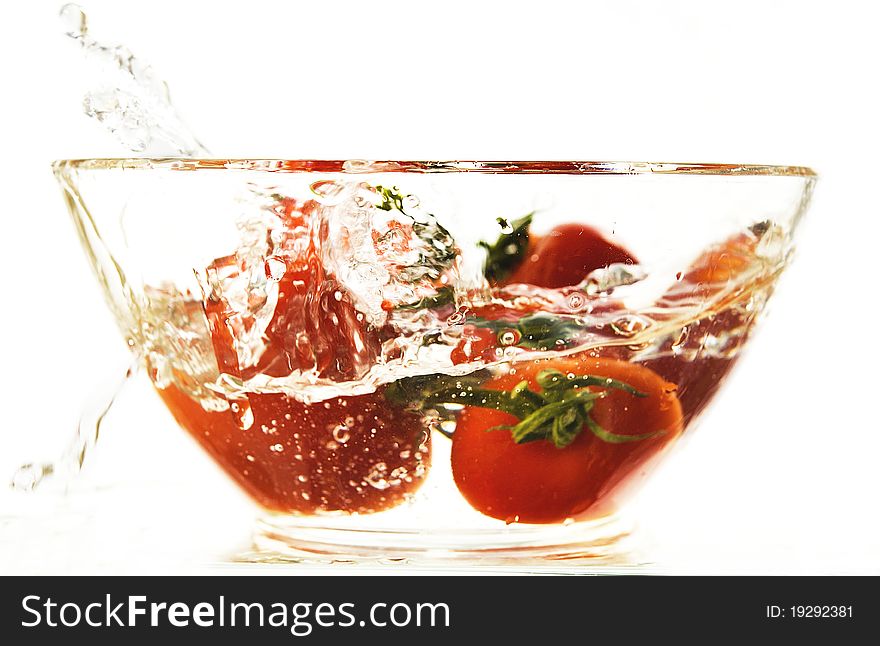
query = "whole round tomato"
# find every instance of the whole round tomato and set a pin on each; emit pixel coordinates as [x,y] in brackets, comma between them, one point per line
[353,454]
[565,256]
[538,481]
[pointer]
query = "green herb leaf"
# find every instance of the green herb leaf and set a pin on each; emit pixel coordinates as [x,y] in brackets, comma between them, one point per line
[508,252]
[616,438]
[391,198]
[417,391]
[558,412]
[444,296]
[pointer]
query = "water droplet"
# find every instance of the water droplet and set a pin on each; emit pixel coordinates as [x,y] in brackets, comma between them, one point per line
[242,413]
[341,433]
[74,20]
[28,476]
[605,280]
[679,341]
[629,325]
[576,301]
[376,477]
[277,448]
[509,337]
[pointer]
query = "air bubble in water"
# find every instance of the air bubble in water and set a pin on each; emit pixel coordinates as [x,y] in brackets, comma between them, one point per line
[376,477]
[242,413]
[341,433]
[630,324]
[509,337]
[576,301]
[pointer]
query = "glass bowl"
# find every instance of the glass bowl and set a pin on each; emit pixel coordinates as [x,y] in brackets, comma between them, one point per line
[436,360]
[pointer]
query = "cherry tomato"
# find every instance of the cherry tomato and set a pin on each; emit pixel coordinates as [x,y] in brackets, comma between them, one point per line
[537,482]
[353,454]
[315,326]
[701,374]
[565,256]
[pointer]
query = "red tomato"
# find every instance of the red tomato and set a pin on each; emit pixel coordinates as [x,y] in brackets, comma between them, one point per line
[353,454]
[290,456]
[565,256]
[700,376]
[536,482]
[315,326]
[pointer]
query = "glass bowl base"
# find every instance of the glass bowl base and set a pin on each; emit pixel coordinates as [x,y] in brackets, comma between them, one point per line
[604,544]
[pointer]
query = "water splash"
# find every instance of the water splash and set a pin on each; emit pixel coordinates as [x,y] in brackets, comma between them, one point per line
[127,98]
[68,465]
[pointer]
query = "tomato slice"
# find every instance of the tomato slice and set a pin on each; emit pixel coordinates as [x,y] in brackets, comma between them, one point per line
[536,482]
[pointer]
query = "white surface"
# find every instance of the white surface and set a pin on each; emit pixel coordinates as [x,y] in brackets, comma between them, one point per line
[782,475]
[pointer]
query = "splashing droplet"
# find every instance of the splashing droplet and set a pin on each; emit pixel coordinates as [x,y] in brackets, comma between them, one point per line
[31,475]
[74,20]
[129,100]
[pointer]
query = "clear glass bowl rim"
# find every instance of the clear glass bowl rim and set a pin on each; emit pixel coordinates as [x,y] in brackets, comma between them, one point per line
[356,166]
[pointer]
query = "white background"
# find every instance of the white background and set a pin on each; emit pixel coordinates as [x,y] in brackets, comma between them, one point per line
[783,474]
